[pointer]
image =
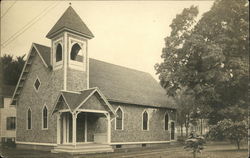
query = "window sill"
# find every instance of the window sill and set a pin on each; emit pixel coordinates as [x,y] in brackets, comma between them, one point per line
[119,129]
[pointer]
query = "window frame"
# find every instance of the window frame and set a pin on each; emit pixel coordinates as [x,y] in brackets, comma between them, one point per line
[7,125]
[45,106]
[143,120]
[83,43]
[57,65]
[81,49]
[122,118]
[58,43]
[27,119]
[37,78]
[164,126]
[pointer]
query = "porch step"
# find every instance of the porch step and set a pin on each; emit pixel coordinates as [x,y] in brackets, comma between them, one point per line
[83,149]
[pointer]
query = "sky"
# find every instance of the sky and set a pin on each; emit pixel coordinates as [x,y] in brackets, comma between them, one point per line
[127,33]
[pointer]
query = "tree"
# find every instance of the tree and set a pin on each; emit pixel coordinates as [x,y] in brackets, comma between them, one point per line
[12,68]
[209,57]
[195,144]
[235,131]
[185,105]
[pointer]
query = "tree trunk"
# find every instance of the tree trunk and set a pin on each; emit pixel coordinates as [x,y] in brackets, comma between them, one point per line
[238,144]
[201,126]
[186,126]
[181,130]
[194,154]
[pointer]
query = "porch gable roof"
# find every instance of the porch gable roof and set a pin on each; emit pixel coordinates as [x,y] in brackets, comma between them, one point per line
[75,100]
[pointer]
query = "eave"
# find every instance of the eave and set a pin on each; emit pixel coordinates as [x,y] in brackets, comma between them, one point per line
[24,73]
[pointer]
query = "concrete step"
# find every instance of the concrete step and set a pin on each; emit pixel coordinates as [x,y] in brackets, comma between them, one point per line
[81,146]
[83,149]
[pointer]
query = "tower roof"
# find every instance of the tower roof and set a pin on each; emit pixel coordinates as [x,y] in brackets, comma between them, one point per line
[70,21]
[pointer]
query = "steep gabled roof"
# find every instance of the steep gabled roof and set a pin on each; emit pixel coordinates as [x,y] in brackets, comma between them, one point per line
[34,50]
[44,52]
[125,85]
[70,20]
[120,84]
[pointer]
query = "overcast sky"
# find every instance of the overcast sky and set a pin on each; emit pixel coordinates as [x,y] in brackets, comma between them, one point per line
[127,33]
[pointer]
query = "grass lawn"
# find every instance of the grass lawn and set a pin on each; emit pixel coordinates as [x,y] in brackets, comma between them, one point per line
[212,150]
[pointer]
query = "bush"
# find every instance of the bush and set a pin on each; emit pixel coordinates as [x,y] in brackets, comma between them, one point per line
[235,131]
[195,144]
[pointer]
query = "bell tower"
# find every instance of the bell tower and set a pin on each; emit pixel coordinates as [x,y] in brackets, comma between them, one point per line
[69,50]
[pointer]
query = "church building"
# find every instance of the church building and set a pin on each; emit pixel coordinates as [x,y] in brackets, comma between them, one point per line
[68,102]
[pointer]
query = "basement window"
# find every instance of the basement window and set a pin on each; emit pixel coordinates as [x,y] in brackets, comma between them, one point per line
[118,146]
[143,145]
[37,84]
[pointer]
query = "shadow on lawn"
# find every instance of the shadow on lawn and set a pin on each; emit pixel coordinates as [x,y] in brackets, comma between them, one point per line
[228,150]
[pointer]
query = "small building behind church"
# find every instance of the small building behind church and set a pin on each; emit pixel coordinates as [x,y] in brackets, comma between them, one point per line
[68,102]
[7,115]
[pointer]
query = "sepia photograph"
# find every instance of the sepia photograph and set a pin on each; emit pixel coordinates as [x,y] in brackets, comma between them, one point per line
[124,79]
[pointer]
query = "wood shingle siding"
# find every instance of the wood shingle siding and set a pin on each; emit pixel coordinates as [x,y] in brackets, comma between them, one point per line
[133,132]
[48,93]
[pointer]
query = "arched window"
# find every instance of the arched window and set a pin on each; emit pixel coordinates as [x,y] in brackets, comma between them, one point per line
[58,52]
[166,121]
[119,119]
[29,117]
[145,120]
[45,117]
[76,53]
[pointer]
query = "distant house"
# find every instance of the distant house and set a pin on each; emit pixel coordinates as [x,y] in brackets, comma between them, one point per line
[68,102]
[7,115]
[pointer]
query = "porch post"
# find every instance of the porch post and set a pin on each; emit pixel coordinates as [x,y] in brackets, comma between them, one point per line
[58,128]
[64,128]
[74,117]
[108,129]
[85,128]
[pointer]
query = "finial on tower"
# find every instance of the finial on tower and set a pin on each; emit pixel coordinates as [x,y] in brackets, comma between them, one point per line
[69,3]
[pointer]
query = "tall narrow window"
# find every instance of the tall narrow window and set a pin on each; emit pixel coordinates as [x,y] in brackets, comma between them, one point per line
[29,117]
[76,53]
[45,118]
[58,52]
[145,120]
[11,123]
[166,121]
[119,119]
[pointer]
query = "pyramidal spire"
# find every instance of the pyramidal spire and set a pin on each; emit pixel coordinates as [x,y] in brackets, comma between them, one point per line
[70,21]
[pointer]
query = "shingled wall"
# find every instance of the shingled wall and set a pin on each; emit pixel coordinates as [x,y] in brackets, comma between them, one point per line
[133,132]
[51,83]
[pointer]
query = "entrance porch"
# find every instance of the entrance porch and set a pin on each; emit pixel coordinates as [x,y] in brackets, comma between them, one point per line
[83,127]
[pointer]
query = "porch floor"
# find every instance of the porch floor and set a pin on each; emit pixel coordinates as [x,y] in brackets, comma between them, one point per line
[83,148]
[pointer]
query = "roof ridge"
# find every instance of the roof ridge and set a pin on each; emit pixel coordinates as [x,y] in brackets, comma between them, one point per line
[121,66]
[107,62]
[41,45]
